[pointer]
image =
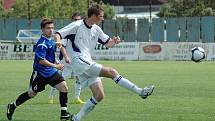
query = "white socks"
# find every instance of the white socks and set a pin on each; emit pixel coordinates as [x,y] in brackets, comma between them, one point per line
[90,104]
[125,83]
[88,107]
[77,89]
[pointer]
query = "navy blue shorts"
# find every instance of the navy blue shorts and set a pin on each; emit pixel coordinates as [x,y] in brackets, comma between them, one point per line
[38,82]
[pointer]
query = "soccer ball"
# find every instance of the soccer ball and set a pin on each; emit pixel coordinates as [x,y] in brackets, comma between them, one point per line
[198,54]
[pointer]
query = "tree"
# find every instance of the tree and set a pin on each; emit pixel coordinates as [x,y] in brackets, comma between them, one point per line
[50,8]
[80,6]
[187,8]
[108,9]
[3,13]
[20,9]
[42,8]
[1,8]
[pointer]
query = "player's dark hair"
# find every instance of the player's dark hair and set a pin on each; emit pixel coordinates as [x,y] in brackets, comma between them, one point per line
[46,21]
[94,10]
[75,14]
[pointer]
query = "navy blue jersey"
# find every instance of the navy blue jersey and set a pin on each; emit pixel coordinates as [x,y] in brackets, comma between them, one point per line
[44,49]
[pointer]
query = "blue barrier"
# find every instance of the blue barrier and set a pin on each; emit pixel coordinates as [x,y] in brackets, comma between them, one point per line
[193,29]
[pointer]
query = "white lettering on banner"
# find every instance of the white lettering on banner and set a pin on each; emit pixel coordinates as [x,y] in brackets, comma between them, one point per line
[122,51]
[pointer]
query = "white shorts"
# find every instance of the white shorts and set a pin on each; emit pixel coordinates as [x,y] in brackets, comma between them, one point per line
[85,70]
[81,64]
[87,81]
[90,76]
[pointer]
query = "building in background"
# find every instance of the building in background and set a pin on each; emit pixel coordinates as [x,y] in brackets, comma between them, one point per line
[136,8]
[7,4]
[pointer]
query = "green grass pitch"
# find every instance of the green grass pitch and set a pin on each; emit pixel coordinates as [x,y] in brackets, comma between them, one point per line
[185,91]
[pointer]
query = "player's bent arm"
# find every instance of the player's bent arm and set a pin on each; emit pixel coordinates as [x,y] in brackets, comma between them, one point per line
[112,42]
[44,62]
[57,39]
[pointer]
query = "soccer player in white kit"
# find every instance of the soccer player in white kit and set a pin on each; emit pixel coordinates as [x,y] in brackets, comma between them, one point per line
[83,36]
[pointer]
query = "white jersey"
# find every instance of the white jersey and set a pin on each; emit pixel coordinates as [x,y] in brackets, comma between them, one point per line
[82,39]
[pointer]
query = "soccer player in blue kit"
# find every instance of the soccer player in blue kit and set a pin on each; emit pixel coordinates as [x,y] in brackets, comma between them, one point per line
[44,72]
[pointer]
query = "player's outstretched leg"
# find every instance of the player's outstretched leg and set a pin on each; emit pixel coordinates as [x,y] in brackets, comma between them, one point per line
[51,95]
[78,93]
[125,83]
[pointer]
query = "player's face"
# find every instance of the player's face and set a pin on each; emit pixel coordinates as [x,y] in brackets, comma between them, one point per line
[99,18]
[48,30]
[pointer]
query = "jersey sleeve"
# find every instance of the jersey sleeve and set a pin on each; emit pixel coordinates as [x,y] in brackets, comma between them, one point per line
[67,30]
[103,38]
[40,51]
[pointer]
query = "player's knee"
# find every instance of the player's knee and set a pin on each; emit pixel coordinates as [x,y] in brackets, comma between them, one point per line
[32,94]
[99,97]
[64,88]
[113,72]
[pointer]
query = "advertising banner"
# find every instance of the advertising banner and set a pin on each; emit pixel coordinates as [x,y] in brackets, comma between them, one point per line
[122,51]
[170,50]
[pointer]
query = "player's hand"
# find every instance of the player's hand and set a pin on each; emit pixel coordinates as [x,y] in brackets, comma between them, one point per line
[67,60]
[116,40]
[58,44]
[59,66]
[57,61]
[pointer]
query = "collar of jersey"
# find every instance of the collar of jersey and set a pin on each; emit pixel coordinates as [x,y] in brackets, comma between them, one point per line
[89,27]
[46,37]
